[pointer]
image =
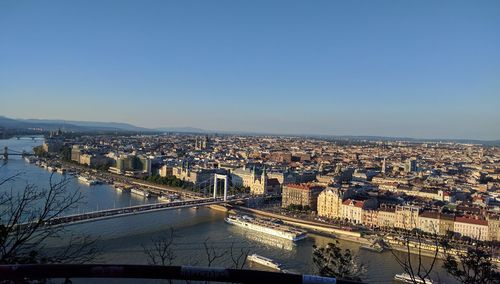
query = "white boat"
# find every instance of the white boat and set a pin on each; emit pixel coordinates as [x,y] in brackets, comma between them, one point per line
[30,160]
[264,261]
[373,248]
[87,181]
[267,226]
[140,192]
[122,189]
[61,170]
[405,277]
[163,198]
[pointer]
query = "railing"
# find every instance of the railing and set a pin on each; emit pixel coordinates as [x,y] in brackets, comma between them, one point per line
[66,271]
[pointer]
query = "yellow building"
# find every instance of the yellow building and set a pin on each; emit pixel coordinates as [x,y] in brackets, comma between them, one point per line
[407,217]
[494,228]
[386,216]
[429,222]
[446,223]
[370,218]
[330,203]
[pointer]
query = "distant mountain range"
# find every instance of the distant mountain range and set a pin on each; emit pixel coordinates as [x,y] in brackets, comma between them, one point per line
[72,125]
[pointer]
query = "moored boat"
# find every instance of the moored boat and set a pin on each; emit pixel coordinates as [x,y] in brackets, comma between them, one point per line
[267,226]
[30,159]
[373,248]
[87,180]
[264,261]
[405,277]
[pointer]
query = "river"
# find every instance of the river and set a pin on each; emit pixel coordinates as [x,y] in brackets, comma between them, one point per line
[121,240]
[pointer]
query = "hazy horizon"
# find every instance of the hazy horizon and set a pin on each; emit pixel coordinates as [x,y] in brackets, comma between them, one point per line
[421,69]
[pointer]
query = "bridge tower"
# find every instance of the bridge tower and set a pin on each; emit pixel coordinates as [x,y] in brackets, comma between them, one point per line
[220,177]
[5,153]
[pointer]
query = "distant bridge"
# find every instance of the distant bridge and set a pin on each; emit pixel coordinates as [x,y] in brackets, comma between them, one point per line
[7,153]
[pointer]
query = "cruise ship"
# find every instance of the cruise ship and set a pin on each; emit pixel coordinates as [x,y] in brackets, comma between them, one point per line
[267,226]
[264,261]
[87,181]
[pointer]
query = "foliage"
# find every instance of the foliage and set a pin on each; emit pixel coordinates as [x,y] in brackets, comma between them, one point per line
[39,152]
[168,180]
[65,153]
[332,261]
[298,207]
[473,265]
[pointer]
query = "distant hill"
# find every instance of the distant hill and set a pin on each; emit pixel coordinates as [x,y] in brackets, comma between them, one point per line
[73,125]
[10,123]
[68,125]
[90,124]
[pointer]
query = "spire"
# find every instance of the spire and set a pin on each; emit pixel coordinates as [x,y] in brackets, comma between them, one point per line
[264,173]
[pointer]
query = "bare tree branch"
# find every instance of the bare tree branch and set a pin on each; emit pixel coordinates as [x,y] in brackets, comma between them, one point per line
[25,221]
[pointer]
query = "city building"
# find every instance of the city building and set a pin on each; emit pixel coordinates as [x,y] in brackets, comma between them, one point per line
[428,222]
[132,165]
[305,194]
[386,216]
[76,151]
[411,165]
[330,203]
[471,227]
[407,217]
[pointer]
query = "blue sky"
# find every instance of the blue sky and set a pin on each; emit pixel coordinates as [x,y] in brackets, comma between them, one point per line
[391,68]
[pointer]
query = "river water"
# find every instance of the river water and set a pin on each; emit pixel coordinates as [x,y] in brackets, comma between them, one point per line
[122,240]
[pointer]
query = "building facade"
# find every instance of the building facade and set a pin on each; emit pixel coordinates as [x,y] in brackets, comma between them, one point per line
[301,194]
[330,203]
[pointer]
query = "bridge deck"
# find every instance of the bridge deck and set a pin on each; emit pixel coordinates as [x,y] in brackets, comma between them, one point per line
[132,210]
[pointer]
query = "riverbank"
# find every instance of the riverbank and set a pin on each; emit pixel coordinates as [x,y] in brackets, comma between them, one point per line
[322,229]
[308,225]
[124,179]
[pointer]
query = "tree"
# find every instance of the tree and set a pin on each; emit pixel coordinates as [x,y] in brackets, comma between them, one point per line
[211,252]
[473,265]
[24,217]
[414,241]
[332,261]
[162,252]
[239,258]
